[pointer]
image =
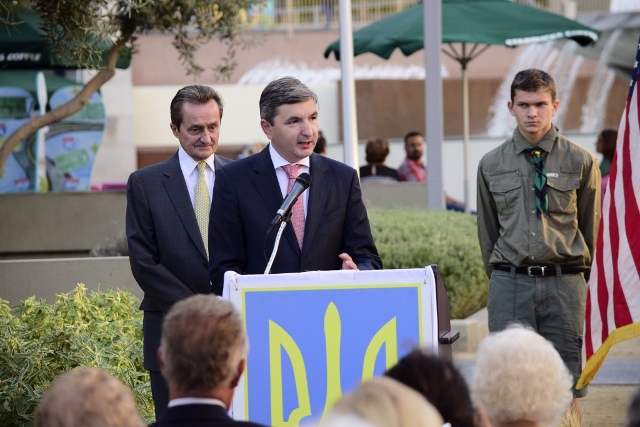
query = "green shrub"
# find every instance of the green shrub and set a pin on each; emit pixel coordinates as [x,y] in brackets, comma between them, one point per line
[413,238]
[40,341]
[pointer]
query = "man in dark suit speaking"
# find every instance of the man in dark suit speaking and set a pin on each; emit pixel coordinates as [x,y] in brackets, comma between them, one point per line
[167,219]
[330,228]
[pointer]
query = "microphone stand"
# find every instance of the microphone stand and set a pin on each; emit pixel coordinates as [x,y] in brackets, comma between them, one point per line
[283,224]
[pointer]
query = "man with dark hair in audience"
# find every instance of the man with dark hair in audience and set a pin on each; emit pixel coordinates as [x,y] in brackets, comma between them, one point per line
[412,168]
[440,383]
[202,355]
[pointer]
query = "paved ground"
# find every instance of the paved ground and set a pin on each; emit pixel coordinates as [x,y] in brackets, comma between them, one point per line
[609,391]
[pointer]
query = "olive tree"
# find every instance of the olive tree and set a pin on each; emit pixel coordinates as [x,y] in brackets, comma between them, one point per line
[75,29]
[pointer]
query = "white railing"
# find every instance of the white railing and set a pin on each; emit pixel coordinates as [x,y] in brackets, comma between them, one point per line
[293,15]
[317,14]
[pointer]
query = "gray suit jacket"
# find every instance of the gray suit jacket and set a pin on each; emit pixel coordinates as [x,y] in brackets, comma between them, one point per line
[166,252]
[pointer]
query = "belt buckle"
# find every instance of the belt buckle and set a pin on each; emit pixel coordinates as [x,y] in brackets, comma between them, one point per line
[529,271]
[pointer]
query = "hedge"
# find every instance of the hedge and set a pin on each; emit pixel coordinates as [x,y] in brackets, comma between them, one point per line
[40,341]
[414,238]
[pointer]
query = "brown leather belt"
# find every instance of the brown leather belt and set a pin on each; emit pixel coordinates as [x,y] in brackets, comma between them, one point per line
[543,270]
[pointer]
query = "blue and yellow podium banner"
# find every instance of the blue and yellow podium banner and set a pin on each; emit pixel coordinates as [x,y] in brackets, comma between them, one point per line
[314,336]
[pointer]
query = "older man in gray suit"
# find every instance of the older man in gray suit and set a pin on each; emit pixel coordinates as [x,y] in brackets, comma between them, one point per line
[167,220]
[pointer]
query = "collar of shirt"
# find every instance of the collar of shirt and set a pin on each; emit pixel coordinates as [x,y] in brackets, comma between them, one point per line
[196,401]
[546,143]
[415,162]
[188,167]
[283,180]
[188,164]
[279,161]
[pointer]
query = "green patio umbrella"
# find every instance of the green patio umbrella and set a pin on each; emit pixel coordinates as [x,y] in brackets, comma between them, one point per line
[478,22]
[475,25]
[24,46]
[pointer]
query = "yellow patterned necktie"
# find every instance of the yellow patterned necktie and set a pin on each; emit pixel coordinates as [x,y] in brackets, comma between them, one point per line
[202,205]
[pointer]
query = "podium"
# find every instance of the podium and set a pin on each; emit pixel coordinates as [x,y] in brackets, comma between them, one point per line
[315,335]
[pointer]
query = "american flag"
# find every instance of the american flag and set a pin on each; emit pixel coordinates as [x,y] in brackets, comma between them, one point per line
[613,299]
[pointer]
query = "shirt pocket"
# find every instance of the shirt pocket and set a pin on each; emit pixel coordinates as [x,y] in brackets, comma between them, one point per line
[506,192]
[562,193]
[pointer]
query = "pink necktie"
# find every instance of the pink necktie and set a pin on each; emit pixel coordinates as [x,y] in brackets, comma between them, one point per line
[297,212]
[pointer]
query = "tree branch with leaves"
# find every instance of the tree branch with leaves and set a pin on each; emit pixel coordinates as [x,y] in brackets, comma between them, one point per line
[77,31]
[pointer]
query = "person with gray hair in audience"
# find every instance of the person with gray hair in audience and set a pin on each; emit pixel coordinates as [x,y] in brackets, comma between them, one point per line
[202,355]
[520,379]
[87,397]
[383,402]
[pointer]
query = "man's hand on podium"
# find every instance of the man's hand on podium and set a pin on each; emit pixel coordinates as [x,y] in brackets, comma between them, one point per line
[347,262]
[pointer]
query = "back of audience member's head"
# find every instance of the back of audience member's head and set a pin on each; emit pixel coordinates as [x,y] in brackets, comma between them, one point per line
[633,410]
[439,382]
[321,144]
[203,345]
[519,376]
[384,402]
[87,397]
[377,150]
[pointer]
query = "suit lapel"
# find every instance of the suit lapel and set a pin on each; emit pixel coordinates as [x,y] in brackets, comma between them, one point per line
[176,187]
[318,192]
[266,182]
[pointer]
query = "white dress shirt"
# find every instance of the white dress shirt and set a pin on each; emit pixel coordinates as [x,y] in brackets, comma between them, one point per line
[196,401]
[283,178]
[190,173]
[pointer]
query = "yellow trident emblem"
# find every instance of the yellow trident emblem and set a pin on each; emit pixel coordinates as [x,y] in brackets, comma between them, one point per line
[280,339]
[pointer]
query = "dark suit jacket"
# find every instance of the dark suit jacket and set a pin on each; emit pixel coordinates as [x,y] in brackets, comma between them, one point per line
[166,252]
[245,200]
[200,416]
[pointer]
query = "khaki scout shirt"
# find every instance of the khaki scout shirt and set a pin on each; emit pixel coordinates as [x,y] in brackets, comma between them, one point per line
[509,229]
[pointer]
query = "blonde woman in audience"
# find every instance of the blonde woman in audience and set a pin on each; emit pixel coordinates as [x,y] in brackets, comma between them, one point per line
[520,379]
[383,402]
[88,397]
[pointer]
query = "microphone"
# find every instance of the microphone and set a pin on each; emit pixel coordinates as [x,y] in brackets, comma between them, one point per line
[302,183]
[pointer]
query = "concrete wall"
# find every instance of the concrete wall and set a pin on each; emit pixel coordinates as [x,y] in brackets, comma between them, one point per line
[395,194]
[59,222]
[48,224]
[44,278]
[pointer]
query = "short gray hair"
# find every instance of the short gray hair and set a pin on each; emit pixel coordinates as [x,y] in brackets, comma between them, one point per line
[286,90]
[520,376]
[194,94]
[203,341]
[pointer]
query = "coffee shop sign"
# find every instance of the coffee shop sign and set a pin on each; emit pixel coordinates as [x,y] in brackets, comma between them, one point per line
[20,57]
